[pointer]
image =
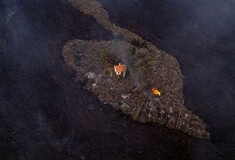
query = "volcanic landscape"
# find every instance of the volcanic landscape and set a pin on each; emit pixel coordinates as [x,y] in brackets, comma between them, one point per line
[46,114]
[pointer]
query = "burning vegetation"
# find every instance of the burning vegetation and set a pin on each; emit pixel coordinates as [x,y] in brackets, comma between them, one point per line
[155,91]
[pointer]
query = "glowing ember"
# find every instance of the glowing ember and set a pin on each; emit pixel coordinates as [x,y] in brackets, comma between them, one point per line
[155,91]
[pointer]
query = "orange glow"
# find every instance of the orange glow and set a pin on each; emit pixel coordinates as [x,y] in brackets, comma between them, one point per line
[155,91]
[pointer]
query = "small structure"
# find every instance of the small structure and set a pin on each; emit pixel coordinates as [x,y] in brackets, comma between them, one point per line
[120,69]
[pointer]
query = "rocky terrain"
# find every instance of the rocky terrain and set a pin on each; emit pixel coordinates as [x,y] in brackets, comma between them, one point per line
[132,94]
[148,67]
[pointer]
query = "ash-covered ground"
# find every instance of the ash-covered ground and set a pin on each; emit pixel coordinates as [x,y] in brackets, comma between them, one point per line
[45,114]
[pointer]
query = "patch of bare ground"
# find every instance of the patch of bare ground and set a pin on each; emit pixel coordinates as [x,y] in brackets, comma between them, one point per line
[148,67]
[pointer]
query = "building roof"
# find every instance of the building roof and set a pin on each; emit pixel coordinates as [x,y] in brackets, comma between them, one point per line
[120,68]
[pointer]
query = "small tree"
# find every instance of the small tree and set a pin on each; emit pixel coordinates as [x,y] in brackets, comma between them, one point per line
[136,42]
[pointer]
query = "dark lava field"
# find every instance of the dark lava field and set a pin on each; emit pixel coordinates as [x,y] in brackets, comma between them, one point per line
[201,35]
[45,114]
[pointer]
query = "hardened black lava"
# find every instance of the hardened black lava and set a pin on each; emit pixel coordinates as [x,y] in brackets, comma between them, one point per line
[45,114]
